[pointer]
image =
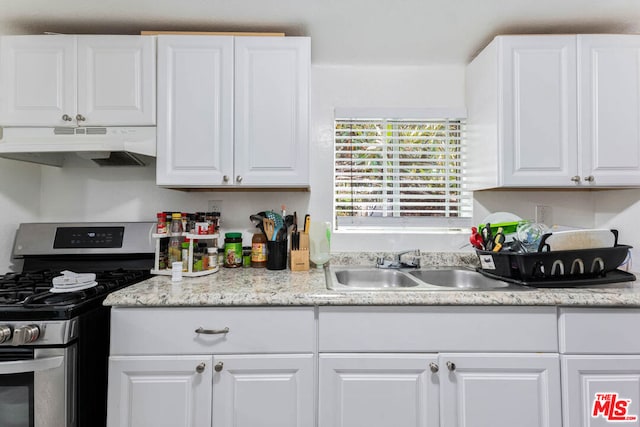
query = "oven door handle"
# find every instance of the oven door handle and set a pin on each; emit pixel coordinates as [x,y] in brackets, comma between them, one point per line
[31,365]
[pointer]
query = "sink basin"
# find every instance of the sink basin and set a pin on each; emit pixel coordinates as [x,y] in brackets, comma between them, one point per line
[373,278]
[366,278]
[458,278]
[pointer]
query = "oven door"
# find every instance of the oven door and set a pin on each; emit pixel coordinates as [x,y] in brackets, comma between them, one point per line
[37,387]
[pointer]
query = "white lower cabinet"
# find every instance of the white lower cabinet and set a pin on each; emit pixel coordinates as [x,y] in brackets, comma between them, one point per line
[601,389]
[157,391]
[479,390]
[220,367]
[431,390]
[439,366]
[378,390]
[363,366]
[264,390]
[600,366]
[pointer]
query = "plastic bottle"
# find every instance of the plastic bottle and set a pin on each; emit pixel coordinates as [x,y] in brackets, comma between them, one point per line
[176,239]
[259,250]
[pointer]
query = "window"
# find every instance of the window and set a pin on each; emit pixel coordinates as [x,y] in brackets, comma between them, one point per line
[392,172]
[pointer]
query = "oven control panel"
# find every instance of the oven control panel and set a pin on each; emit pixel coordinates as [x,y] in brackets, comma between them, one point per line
[88,237]
[38,333]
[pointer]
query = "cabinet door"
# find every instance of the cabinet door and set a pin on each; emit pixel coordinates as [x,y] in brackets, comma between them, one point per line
[195,110]
[606,384]
[116,80]
[378,390]
[37,80]
[264,391]
[609,99]
[272,111]
[159,391]
[537,78]
[500,390]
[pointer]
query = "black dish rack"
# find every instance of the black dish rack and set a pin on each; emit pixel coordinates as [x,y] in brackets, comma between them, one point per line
[557,268]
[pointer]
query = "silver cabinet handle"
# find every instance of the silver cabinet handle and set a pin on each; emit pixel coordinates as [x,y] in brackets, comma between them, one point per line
[218,366]
[225,178]
[201,330]
[66,118]
[575,178]
[80,118]
[200,368]
[434,367]
[589,178]
[238,178]
[451,366]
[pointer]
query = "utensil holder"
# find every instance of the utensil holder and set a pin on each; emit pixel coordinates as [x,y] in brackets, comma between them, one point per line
[276,254]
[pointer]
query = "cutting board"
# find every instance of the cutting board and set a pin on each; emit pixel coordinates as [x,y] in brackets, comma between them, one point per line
[578,239]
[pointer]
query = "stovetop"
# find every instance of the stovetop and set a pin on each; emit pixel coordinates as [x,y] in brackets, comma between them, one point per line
[27,295]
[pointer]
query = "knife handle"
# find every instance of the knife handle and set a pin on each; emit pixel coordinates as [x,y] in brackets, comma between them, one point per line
[307,223]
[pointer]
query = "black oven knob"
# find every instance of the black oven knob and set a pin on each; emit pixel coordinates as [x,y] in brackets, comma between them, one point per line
[5,333]
[25,334]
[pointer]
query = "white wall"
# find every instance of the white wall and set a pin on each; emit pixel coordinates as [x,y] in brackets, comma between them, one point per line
[19,202]
[87,193]
[620,209]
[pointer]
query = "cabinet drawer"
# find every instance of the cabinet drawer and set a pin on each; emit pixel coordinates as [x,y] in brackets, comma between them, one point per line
[599,330]
[173,330]
[419,329]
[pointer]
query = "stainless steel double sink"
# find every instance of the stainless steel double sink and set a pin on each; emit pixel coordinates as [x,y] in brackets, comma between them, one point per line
[364,278]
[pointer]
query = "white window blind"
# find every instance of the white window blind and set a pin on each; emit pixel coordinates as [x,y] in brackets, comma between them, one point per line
[400,173]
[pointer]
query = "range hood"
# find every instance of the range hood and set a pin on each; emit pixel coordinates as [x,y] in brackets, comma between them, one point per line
[105,146]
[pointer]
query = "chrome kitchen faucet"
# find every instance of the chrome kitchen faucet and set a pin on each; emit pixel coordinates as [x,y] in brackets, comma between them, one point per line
[397,260]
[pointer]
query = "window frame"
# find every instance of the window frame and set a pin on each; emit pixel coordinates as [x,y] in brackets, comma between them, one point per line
[402,223]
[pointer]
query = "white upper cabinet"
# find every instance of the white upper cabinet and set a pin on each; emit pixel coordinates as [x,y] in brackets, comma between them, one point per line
[609,109]
[554,111]
[233,111]
[63,80]
[195,110]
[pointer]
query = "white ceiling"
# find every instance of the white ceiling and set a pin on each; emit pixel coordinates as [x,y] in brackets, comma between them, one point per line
[403,32]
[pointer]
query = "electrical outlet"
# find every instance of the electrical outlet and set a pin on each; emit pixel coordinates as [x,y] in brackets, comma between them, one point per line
[543,214]
[215,206]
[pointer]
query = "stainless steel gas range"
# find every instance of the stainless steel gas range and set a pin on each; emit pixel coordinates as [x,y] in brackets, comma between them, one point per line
[54,340]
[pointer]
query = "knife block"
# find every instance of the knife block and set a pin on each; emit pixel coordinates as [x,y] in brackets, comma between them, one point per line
[300,257]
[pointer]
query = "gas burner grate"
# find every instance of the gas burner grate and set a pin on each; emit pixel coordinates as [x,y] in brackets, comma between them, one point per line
[32,289]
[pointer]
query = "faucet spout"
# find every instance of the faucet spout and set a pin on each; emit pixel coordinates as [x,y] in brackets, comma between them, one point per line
[397,260]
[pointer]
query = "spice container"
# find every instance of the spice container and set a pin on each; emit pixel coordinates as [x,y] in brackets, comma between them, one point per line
[259,250]
[212,254]
[246,256]
[233,250]
[175,241]
[161,228]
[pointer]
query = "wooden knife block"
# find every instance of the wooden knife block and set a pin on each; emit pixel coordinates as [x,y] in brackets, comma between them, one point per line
[300,258]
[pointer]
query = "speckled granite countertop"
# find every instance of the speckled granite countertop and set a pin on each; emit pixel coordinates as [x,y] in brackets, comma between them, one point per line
[261,287]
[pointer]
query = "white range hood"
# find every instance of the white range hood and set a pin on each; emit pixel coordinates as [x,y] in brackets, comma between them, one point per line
[105,146]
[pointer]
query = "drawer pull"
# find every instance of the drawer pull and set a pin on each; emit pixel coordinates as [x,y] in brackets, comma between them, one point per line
[218,366]
[201,330]
[200,368]
[451,366]
[434,367]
